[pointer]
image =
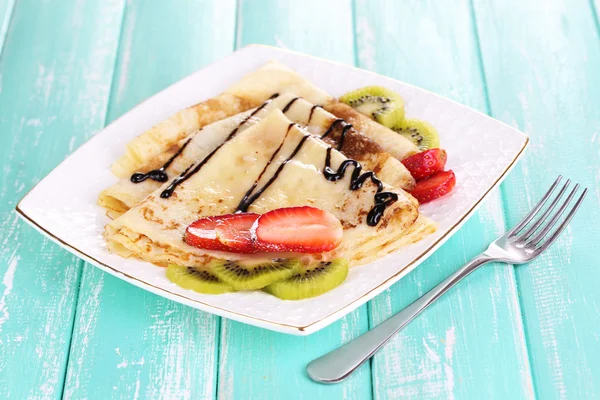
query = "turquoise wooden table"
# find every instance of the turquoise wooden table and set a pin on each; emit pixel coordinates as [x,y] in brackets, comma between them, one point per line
[69,67]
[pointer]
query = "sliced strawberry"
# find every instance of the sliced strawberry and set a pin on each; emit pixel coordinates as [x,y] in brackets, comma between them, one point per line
[234,232]
[426,163]
[202,234]
[298,229]
[435,186]
[230,232]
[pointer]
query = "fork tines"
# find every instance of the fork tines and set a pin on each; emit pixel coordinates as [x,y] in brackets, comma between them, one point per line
[542,219]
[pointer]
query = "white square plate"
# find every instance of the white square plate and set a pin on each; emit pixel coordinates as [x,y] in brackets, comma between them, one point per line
[63,205]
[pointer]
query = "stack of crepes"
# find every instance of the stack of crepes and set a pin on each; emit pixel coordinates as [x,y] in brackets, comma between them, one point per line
[266,138]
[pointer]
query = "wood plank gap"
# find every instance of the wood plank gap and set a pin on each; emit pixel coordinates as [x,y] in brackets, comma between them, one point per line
[486,94]
[73,319]
[82,263]
[595,16]
[520,306]
[354,38]
[114,78]
[218,356]
[238,22]
[504,204]
[6,23]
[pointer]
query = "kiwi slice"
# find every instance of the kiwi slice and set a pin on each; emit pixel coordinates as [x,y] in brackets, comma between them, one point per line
[379,103]
[197,279]
[421,133]
[311,280]
[254,274]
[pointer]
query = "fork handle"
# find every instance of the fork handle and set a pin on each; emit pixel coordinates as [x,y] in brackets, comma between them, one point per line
[337,365]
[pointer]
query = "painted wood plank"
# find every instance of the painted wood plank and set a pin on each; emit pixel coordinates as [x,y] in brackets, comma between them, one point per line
[470,344]
[54,85]
[129,343]
[541,62]
[296,26]
[256,363]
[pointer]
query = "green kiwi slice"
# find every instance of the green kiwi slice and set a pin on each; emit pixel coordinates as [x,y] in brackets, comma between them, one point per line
[379,103]
[311,280]
[197,279]
[421,133]
[253,274]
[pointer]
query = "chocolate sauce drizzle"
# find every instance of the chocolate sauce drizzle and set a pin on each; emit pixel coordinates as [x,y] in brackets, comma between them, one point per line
[189,172]
[346,128]
[343,136]
[158,175]
[332,127]
[312,110]
[289,105]
[248,197]
[382,199]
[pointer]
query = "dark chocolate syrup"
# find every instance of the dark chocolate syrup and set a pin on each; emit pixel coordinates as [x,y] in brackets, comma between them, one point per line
[158,175]
[382,199]
[345,129]
[189,172]
[245,203]
[332,127]
[312,110]
[343,136]
[289,105]
[242,207]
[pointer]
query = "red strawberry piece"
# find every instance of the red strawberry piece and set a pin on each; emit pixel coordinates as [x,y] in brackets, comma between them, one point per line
[298,229]
[435,186]
[426,163]
[234,232]
[202,234]
[230,232]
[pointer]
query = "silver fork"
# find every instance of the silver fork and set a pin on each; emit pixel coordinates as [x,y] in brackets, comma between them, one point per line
[526,241]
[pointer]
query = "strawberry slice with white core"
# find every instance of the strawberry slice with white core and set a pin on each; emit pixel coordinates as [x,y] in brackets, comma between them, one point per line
[202,234]
[229,232]
[298,229]
[234,232]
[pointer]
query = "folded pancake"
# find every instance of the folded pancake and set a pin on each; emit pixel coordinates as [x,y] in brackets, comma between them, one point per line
[395,144]
[123,195]
[251,91]
[352,142]
[275,77]
[272,164]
